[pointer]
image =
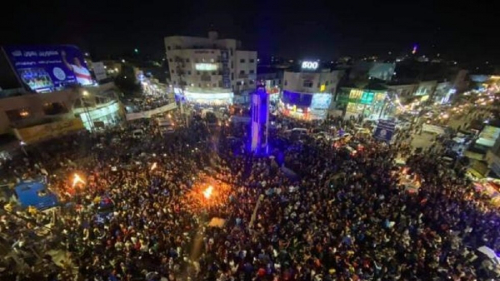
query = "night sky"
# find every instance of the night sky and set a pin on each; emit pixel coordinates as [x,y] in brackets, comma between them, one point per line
[292,29]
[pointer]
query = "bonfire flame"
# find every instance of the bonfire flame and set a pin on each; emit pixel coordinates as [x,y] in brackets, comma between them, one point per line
[208,192]
[153,166]
[77,179]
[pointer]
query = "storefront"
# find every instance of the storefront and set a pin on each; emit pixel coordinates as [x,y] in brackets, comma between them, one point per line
[366,103]
[209,97]
[305,106]
[108,114]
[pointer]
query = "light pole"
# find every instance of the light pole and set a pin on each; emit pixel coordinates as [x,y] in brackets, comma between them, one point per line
[22,144]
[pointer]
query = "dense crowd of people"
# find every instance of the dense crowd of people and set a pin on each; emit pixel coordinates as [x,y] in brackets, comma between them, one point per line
[143,212]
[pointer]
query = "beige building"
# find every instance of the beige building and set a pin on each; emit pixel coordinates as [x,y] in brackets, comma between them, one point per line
[307,94]
[216,65]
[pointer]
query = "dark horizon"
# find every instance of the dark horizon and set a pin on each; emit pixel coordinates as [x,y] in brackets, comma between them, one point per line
[291,29]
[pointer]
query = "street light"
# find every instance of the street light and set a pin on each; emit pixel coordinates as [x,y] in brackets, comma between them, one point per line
[22,144]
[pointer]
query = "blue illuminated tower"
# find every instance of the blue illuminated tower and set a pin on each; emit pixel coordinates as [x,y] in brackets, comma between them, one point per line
[260,121]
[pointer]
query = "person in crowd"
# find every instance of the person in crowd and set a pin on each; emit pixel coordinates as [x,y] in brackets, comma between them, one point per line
[338,216]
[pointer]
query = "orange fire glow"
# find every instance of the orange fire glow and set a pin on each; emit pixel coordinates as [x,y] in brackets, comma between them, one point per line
[208,192]
[77,179]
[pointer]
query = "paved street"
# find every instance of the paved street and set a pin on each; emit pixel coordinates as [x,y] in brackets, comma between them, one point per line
[423,141]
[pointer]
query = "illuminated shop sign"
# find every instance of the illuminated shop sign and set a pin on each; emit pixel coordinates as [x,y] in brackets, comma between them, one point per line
[367,98]
[206,66]
[312,65]
[355,94]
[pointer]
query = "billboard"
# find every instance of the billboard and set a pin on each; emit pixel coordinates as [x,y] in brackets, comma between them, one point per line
[150,113]
[99,70]
[321,101]
[226,81]
[384,131]
[49,68]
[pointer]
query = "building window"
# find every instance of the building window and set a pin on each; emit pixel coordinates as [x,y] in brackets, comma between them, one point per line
[170,60]
[196,60]
[54,108]
[242,71]
[252,71]
[232,76]
[250,82]
[168,48]
[242,60]
[214,73]
[199,85]
[286,83]
[197,73]
[17,114]
[307,83]
[251,60]
[214,85]
[231,51]
[173,71]
[189,72]
[177,47]
[187,60]
[231,64]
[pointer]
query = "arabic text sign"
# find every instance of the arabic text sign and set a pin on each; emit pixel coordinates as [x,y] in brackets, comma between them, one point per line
[48,68]
[46,131]
[384,131]
[150,113]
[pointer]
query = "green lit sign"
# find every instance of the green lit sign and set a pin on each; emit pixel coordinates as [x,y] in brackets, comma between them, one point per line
[367,98]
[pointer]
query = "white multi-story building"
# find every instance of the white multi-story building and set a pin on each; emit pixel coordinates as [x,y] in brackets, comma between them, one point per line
[307,93]
[210,69]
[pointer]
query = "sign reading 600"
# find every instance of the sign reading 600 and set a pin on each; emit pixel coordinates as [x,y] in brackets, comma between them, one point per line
[310,65]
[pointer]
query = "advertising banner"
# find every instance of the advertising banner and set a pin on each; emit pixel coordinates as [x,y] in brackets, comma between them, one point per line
[150,113]
[99,70]
[385,130]
[135,116]
[321,101]
[49,68]
[226,81]
[46,131]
